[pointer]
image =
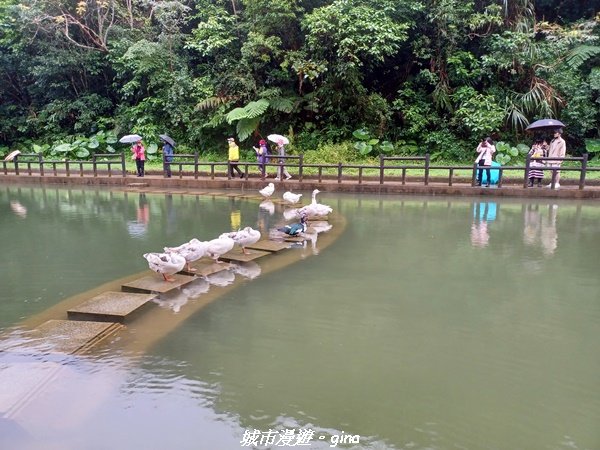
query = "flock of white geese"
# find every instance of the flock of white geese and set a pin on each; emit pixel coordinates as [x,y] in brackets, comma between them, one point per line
[175,259]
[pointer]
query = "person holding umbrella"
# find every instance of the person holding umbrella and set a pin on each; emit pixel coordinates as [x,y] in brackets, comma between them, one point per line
[281,141]
[168,144]
[139,154]
[557,149]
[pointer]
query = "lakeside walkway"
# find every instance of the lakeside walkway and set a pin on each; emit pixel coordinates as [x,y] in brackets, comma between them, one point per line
[414,186]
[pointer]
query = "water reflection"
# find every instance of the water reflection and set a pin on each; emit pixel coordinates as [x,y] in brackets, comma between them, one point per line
[18,209]
[138,228]
[392,314]
[483,213]
[540,227]
[250,269]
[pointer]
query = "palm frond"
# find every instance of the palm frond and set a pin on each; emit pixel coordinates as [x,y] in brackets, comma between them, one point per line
[212,102]
[282,104]
[245,127]
[579,55]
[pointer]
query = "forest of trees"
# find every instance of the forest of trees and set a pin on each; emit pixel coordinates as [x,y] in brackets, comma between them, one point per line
[434,74]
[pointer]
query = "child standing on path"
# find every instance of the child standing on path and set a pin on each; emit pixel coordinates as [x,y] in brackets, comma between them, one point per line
[535,167]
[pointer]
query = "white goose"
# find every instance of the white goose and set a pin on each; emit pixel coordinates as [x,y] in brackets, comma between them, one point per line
[315,209]
[165,263]
[244,237]
[219,246]
[191,251]
[292,198]
[268,190]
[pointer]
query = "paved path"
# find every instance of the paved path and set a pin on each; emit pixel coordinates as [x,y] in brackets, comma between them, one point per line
[436,186]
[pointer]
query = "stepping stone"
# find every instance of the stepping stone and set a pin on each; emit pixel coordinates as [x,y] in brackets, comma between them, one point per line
[319,223]
[288,238]
[268,246]
[137,184]
[156,283]
[71,336]
[110,307]
[238,256]
[205,268]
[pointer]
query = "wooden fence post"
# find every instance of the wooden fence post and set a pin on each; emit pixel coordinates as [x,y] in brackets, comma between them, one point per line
[41,162]
[123,169]
[583,171]
[300,167]
[527,166]
[426,169]
[94,166]
[381,162]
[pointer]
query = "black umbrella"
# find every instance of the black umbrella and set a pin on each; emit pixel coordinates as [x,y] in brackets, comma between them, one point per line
[167,138]
[545,124]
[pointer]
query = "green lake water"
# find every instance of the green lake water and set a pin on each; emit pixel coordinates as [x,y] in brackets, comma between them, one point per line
[429,323]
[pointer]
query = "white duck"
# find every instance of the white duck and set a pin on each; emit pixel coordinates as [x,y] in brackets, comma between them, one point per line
[244,237]
[165,263]
[291,214]
[315,209]
[268,190]
[219,246]
[191,251]
[292,198]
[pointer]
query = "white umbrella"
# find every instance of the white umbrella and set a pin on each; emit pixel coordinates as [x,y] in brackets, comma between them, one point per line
[277,138]
[12,155]
[130,138]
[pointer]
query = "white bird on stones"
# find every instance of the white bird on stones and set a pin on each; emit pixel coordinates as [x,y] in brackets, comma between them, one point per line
[268,190]
[191,251]
[165,263]
[292,198]
[219,246]
[315,209]
[244,237]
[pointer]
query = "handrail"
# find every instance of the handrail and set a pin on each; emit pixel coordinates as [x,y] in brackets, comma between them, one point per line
[190,165]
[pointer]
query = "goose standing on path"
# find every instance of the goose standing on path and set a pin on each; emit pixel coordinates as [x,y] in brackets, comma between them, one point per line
[244,237]
[315,209]
[219,246]
[165,263]
[268,190]
[292,198]
[191,251]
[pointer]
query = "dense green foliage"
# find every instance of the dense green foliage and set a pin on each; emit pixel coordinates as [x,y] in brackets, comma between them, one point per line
[399,77]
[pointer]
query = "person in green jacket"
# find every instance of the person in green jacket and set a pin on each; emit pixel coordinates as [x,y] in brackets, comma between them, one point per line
[234,157]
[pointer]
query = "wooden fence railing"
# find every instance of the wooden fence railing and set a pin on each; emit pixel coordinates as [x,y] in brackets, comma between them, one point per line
[189,165]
